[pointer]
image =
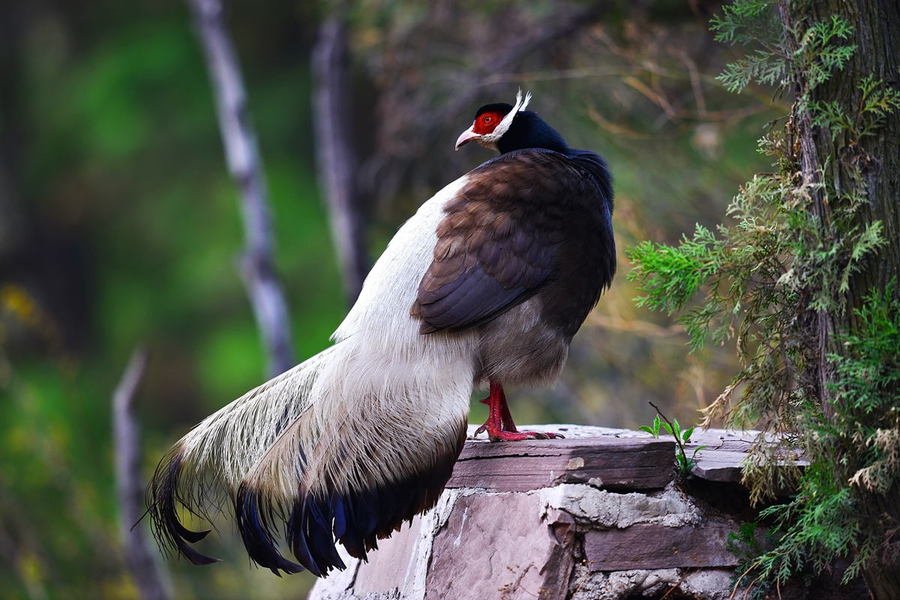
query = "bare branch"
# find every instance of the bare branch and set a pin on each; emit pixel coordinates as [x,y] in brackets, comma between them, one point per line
[506,60]
[244,162]
[336,158]
[401,142]
[141,560]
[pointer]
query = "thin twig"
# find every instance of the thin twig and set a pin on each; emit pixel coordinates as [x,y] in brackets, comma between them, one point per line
[145,570]
[674,587]
[636,326]
[696,86]
[567,25]
[257,265]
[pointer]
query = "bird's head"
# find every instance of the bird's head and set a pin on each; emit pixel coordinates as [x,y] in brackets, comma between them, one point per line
[492,121]
[504,127]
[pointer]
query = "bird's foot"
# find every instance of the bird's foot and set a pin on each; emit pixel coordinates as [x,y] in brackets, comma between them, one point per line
[500,426]
[516,436]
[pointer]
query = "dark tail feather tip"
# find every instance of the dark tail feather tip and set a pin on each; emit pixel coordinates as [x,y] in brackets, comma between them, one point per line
[320,526]
[294,531]
[163,502]
[256,534]
[311,532]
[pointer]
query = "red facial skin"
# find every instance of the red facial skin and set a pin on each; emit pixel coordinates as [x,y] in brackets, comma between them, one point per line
[485,123]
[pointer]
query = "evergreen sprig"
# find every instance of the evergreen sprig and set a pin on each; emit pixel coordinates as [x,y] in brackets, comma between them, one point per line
[762,277]
[826,519]
[751,23]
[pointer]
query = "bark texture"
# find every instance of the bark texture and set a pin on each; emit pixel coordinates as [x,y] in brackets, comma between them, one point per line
[876,33]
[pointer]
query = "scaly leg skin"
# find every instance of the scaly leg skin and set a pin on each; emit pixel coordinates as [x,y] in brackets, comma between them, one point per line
[500,426]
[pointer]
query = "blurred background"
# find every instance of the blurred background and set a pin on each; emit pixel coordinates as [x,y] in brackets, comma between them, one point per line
[120,226]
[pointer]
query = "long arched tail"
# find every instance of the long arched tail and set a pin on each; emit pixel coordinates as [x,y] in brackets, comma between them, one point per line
[342,448]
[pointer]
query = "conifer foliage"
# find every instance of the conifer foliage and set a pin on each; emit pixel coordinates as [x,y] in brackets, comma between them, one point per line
[790,277]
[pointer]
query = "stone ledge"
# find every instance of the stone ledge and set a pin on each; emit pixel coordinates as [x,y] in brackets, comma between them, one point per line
[640,546]
[611,462]
[595,515]
[619,458]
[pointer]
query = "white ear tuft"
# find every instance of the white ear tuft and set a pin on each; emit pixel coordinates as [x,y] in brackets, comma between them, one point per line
[520,103]
[504,125]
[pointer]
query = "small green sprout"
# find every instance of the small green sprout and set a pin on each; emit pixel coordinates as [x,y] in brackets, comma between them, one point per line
[682,437]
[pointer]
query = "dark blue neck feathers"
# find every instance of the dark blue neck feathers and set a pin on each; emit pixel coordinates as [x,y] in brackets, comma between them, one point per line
[530,131]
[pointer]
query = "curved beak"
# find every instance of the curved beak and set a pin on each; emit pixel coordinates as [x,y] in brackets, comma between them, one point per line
[465,137]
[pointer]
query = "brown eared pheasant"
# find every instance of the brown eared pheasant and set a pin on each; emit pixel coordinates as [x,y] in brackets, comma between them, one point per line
[485,285]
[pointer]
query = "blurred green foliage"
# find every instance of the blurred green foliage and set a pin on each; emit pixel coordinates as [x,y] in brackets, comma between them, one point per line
[129,229]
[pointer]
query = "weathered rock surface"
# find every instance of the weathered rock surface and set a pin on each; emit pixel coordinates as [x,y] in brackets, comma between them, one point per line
[614,463]
[593,516]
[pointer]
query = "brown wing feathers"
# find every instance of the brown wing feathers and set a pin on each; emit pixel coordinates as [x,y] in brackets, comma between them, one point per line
[499,242]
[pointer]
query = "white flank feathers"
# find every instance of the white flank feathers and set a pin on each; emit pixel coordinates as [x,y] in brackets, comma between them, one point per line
[383,402]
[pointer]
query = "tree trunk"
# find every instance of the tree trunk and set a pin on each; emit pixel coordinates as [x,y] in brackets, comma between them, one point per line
[335,154]
[149,578]
[257,265]
[876,34]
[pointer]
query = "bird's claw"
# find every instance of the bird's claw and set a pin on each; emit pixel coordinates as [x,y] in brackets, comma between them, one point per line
[542,435]
[499,424]
[517,436]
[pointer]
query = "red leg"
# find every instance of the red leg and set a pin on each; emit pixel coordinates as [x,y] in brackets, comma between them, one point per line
[500,426]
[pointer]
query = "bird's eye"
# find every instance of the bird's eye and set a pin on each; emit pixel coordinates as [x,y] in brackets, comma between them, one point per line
[487,119]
